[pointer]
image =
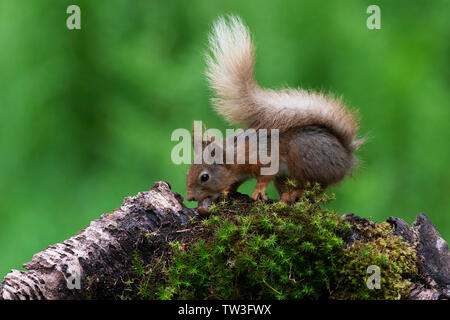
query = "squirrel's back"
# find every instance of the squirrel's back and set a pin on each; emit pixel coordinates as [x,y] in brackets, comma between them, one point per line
[239,98]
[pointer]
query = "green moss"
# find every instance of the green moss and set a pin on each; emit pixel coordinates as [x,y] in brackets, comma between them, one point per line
[380,247]
[252,250]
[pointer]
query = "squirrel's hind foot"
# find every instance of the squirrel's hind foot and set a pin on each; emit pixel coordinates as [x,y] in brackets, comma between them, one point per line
[291,196]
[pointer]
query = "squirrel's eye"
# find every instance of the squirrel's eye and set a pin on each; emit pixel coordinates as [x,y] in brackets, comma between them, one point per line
[204,177]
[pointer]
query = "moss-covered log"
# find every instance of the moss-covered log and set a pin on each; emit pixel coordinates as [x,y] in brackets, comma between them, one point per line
[153,247]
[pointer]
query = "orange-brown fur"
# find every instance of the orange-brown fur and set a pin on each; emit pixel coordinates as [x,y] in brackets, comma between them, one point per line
[317,132]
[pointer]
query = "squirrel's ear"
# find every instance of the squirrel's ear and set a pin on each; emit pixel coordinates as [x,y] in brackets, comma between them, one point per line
[209,139]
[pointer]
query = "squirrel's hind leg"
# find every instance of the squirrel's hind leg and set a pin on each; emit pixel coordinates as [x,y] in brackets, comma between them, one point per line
[291,196]
[287,193]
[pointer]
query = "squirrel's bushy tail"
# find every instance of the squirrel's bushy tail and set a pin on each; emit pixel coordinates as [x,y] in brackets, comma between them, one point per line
[230,69]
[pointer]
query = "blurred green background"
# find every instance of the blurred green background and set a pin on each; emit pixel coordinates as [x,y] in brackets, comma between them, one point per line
[87,115]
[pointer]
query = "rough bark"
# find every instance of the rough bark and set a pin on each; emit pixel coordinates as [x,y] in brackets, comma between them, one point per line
[98,259]
[432,281]
[100,256]
[433,257]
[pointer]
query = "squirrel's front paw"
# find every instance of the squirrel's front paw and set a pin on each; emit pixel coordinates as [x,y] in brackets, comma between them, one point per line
[259,195]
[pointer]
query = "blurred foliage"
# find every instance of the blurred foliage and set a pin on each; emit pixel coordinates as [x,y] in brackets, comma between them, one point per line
[87,115]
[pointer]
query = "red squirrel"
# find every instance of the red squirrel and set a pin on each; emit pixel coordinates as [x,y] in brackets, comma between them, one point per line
[317,133]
